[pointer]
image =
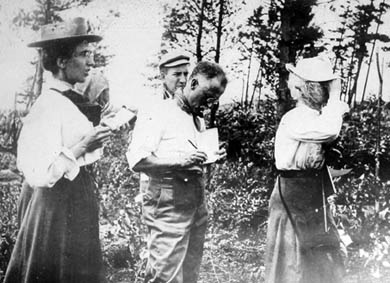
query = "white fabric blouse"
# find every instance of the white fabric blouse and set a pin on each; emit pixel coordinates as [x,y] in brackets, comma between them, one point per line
[301,132]
[163,130]
[52,127]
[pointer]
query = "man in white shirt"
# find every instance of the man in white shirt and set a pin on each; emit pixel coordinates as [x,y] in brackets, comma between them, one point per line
[164,146]
[173,68]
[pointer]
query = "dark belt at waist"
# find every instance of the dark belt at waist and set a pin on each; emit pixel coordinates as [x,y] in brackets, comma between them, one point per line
[300,173]
[185,176]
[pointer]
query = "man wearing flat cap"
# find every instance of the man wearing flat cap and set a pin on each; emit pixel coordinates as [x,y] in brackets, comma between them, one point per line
[174,71]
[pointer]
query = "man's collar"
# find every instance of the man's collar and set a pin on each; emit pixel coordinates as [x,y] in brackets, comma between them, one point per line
[166,93]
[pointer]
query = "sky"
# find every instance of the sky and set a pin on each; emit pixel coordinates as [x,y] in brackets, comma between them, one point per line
[328,21]
[134,38]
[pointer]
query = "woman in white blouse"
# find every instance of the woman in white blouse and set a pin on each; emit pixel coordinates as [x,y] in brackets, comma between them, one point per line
[58,240]
[302,241]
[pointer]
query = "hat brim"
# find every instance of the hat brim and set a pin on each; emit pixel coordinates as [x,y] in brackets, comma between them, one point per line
[44,43]
[292,69]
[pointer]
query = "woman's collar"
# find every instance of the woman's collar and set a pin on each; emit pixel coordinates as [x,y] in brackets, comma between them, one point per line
[60,85]
[301,105]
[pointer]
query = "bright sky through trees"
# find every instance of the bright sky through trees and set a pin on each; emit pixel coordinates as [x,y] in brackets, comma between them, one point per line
[133,38]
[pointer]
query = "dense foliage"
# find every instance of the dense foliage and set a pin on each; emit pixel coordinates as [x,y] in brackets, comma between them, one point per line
[238,192]
[9,193]
[239,188]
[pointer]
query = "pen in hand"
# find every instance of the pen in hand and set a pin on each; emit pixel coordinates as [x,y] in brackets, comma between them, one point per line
[192,144]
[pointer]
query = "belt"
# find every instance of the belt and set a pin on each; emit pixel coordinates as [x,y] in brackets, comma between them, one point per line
[300,173]
[185,176]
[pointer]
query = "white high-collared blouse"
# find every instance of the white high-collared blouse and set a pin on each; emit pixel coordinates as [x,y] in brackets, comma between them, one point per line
[301,132]
[52,127]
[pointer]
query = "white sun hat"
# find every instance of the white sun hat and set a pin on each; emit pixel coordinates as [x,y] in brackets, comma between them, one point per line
[315,69]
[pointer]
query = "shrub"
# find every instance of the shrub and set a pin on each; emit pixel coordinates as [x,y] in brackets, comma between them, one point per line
[9,193]
[122,231]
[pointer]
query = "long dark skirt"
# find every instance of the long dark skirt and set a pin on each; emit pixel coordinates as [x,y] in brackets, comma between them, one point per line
[306,254]
[58,241]
[23,201]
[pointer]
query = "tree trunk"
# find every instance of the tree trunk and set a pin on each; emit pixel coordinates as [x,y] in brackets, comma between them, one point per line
[338,56]
[372,52]
[39,77]
[248,77]
[378,140]
[242,91]
[219,31]
[39,70]
[215,107]
[353,93]
[286,56]
[350,75]
[260,88]
[254,87]
[199,55]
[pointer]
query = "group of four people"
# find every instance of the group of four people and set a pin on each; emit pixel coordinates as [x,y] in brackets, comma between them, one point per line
[58,240]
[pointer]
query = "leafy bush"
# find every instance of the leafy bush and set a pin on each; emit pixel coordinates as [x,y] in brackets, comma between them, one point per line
[9,193]
[238,197]
[122,231]
[229,257]
[239,190]
[238,193]
[363,195]
[249,133]
[10,125]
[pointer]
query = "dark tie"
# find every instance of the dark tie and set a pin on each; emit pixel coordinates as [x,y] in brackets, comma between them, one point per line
[184,105]
[167,95]
[91,111]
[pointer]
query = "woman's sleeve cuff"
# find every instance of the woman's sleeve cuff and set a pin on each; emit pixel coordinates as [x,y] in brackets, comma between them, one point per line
[71,167]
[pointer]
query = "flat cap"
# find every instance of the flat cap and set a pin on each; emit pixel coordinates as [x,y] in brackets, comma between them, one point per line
[174,59]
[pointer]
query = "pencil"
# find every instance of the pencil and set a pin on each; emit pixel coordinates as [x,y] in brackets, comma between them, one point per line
[192,144]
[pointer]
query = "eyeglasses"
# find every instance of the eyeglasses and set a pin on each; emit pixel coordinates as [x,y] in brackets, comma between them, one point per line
[211,101]
[84,53]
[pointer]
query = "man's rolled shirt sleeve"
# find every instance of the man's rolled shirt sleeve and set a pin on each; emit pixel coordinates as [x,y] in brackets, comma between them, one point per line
[146,138]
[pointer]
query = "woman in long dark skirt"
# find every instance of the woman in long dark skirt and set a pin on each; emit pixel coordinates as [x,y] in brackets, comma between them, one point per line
[58,240]
[96,90]
[303,245]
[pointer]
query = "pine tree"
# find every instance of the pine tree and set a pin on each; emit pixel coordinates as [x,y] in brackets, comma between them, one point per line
[288,32]
[199,26]
[46,12]
[355,35]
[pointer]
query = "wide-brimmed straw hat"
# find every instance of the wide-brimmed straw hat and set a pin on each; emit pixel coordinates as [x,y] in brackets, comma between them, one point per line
[174,58]
[315,69]
[75,29]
